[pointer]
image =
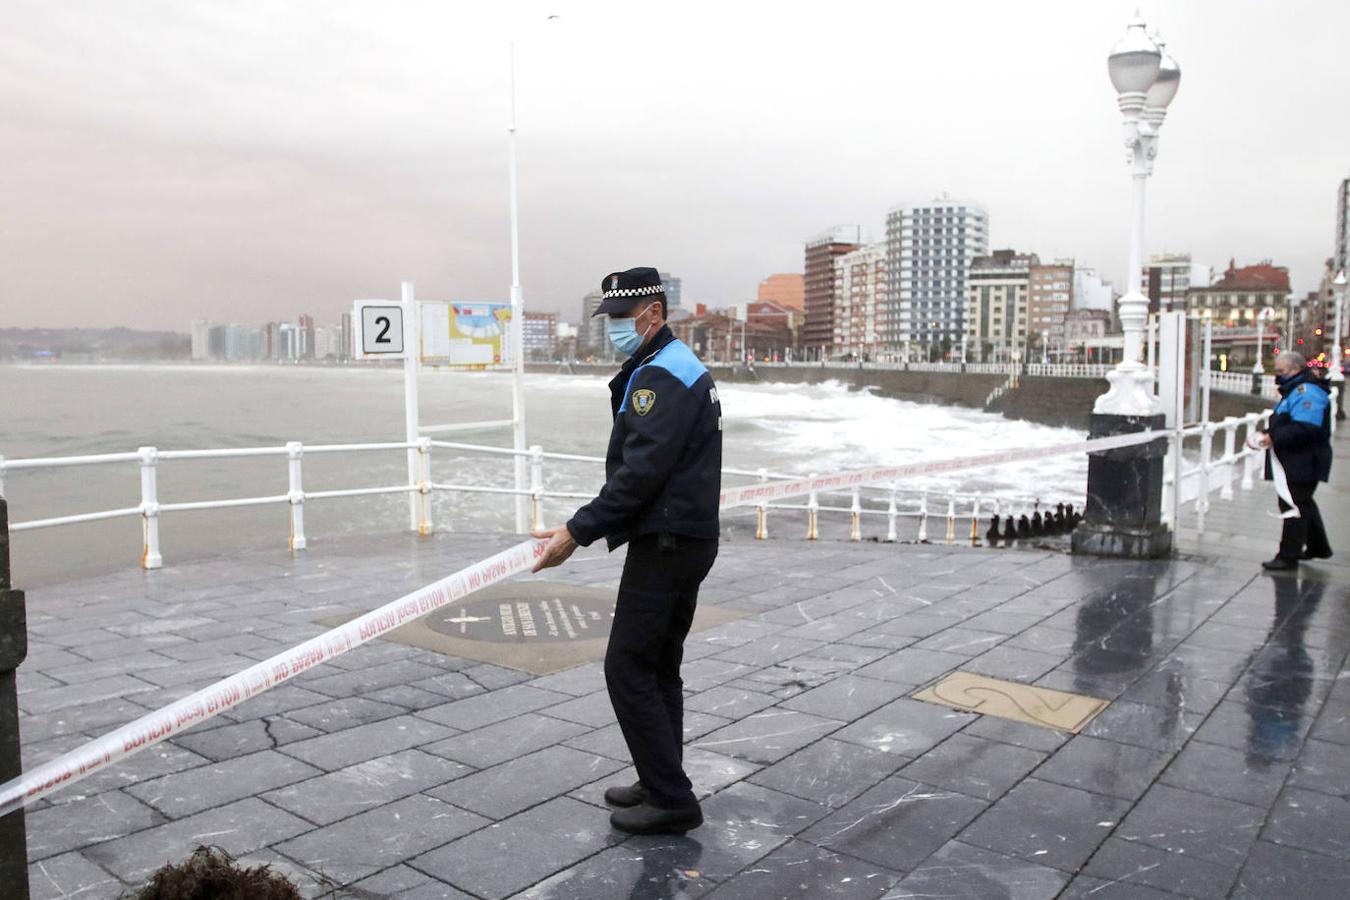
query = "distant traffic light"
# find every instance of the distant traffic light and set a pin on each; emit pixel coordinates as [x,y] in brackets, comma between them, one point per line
[1317,331]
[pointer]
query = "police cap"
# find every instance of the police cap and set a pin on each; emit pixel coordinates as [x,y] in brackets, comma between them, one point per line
[625,290]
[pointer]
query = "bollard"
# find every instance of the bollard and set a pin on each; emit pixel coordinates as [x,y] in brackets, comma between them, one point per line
[1230,425]
[923,518]
[975,523]
[13,649]
[295,452]
[951,519]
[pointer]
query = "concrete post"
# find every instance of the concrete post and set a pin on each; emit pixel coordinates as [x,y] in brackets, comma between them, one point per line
[13,649]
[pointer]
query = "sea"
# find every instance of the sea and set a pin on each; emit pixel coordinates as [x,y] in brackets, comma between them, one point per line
[69,410]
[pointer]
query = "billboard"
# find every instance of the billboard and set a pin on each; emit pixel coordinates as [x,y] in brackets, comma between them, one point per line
[466,334]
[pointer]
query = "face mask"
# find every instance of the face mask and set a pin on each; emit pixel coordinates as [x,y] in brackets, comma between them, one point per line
[623,334]
[1282,380]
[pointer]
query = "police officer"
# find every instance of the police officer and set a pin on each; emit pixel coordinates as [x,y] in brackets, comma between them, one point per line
[1299,435]
[663,475]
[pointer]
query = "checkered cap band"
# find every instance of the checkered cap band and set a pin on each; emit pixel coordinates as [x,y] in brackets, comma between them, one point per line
[636,292]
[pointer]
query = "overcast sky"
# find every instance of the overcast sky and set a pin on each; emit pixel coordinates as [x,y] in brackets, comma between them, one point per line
[245,161]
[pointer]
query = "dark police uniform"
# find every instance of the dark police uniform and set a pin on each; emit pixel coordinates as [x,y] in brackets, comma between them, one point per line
[1300,436]
[661,495]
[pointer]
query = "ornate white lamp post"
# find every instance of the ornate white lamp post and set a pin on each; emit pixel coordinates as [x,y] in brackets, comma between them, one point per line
[1123,516]
[1337,352]
[1146,79]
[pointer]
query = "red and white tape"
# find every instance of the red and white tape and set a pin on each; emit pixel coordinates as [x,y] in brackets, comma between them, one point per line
[229,692]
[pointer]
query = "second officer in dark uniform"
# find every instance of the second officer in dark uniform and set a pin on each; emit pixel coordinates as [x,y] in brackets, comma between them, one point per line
[663,476]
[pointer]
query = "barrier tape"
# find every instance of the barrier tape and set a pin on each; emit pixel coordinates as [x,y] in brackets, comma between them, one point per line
[229,692]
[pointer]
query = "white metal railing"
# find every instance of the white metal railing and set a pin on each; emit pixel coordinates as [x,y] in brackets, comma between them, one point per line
[1237,461]
[1241,383]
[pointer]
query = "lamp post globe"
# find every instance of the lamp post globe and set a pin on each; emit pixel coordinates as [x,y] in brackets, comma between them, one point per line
[1134,61]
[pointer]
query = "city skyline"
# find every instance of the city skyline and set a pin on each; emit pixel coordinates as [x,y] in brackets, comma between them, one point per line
[201,168]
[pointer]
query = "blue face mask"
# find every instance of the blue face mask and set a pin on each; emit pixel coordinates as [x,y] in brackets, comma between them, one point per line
[623,334]
[1282,380]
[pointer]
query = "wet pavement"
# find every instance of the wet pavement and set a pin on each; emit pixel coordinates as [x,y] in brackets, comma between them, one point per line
[1220,766]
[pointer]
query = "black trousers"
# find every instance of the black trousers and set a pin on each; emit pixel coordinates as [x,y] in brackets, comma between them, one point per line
[1307,530]
[657,597]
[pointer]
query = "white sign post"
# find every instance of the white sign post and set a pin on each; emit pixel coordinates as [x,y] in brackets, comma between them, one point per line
[389,330]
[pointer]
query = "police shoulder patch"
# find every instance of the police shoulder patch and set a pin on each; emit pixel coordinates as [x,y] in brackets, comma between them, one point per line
[643,401]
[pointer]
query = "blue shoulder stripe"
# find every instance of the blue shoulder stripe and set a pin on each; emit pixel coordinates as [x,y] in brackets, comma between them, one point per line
[677,359]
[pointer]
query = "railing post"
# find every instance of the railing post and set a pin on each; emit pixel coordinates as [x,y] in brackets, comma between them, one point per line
[150,557]
[295,451]
[13,649]
[923,517]
[891,514]
[424,523]
[975,523]
[2,476]
[1335,399]
[812,512]
[1250,457]
[761,513]
[951,519]
[855,534]
[1206,458]
[536,487]
[1229,454]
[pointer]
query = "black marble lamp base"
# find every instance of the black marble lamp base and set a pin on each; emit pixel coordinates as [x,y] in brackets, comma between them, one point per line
[1124,494]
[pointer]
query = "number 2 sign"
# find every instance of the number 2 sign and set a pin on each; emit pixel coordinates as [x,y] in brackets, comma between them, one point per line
[381,326]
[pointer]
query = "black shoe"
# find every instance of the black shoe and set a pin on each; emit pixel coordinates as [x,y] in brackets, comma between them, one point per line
[1279,564]
[1307,555]
[648,819]
[632,795]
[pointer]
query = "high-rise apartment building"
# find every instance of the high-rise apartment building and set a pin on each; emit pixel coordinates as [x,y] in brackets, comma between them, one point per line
[998,288]
[674,289]
[860,292]
[591,332]
[306,332]
[541,335]
[818,281]
[1341,257]
[1049,296]
[1167,278]
[345,346]
[201,340]
[929,249]
[786,289]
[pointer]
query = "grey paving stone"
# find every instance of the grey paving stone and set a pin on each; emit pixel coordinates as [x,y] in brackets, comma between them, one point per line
[493,677]
[896,824]
[1223,772]
[1310,821]
[577,681]
[362,845]
[238,828]
[1143,726]
[511,787]
[1205,827]
[847,697]
[1274,871]
[1013,664]
[344,748]
[90,670]
[198,673]
[70,875]
[489,862]
[78,719]
[702,674]
[799,869]
[962,641]
[450,685]
[1104,767]
[1129,862]
[369,678]
[1322,766]
[278,700]
[829,772]
[907,727]
[45,702]
[1333,724]
[973,766]
[961,870]
[242,738]
[161,759]
[55,830]
[1048,824]
[594,710]
[1006,731]
[912,666]
[672,869]
[506,740]
[767,736]
[346,792]
[338,715]
[1085,887]
[406,696]
[184,793]
[730,702]
[486,709]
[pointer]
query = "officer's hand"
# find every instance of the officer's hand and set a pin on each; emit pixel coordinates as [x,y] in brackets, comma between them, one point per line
[1263,440]
[560,546]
